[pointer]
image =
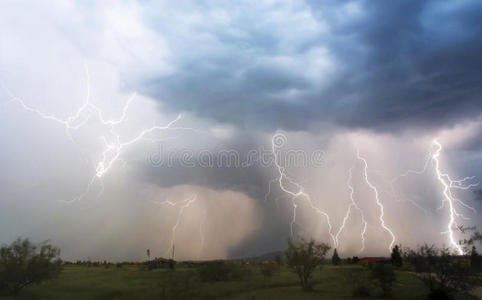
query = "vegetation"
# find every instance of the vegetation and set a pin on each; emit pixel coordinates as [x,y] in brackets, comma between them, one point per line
[24,263]
[222,271]
[444,273]
[396,256]
[474,258]
[303,257]
[79,282]
[253,279]
[335,259]
[385,276]
[267,269]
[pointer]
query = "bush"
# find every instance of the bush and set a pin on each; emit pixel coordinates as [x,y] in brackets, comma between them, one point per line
[361,283]
[439,294]
[442,271]
[267,269]
[222,271]
[385,276]
[179,285]
[23,263]
[361,291]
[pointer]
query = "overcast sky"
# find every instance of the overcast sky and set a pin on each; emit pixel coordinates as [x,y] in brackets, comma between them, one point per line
[330,79]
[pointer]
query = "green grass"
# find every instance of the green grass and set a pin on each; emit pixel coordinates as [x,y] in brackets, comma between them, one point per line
[131,282]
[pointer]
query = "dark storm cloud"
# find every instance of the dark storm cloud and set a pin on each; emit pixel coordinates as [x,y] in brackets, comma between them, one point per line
[419,67]
[478,195]
[393,64]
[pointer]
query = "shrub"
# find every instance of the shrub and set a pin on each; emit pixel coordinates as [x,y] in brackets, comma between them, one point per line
[222,271]
[24,263]
[267,269]
[361,291]
[385,276]
[439,294]
[179,285]
[361,283]
[441,270]
[302,257]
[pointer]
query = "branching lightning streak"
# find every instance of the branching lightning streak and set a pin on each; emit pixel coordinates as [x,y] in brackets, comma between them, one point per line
[299,193]
[380,205]
[409,172]
[186,204]
[448,184]
[113,145]
[174,228]
[352,204]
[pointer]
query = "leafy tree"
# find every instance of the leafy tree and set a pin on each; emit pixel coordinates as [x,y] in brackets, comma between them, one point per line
[335,259]
[396,256]
[302,257]
[24,263]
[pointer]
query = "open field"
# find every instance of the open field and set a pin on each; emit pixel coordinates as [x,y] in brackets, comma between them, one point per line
[134,282]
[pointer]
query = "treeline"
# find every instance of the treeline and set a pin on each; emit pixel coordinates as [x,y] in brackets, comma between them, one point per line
[444,273]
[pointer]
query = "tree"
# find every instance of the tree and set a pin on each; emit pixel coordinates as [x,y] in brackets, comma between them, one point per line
[474,258]
[302,257]
[396,256]
[24,263]
[443,272]
[335,259]
[278,261]
[148,254]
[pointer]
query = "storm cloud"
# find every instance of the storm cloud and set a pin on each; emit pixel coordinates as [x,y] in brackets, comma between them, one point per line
[383,79]
[358,64]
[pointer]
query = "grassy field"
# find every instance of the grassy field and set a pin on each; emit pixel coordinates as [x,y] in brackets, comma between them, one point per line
[133,282]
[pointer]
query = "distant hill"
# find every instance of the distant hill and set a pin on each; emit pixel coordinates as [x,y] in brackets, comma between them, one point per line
[266,256]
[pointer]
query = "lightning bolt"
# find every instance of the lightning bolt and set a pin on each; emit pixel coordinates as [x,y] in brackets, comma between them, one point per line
[407,173]
[201,234]
[179,216]
[377,199]
[180,213]
[353,204]
[113,144]
[276,142]
[448,184]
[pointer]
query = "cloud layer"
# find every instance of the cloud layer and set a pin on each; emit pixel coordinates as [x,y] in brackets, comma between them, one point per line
[384,78]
